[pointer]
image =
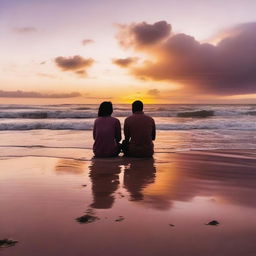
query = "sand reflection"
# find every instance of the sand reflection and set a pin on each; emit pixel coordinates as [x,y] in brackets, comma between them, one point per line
[171,178]
[138,174]
[225,179]
[104,174]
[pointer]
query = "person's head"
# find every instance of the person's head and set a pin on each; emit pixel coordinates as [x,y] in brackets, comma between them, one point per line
[105,109]
[137,106]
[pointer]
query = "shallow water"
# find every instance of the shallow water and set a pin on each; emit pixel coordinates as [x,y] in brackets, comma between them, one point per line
[41,197]
[78,144]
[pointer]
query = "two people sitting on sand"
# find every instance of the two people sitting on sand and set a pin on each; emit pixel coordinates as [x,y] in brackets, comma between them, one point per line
[139,133]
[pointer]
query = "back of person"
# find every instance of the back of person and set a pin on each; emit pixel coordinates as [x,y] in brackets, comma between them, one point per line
[106,134]
[139,130]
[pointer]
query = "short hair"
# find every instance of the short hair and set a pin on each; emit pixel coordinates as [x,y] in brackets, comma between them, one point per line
[105,109]
[137,106]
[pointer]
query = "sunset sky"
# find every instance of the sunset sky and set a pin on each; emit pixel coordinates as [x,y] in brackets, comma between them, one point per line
[165,51]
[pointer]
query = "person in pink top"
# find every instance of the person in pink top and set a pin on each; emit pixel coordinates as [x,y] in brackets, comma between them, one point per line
[139,132]
[106,132]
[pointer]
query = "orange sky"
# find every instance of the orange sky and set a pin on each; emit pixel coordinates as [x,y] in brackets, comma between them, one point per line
[36,33]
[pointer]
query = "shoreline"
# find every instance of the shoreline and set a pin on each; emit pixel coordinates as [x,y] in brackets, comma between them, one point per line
[164,200]
[239,153]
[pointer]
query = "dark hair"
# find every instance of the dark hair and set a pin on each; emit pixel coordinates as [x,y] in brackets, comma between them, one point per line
[105,109]
[137,106]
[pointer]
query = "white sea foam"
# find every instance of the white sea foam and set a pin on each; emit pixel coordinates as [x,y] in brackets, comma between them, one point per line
[77,114]
[81,116]
[161,124]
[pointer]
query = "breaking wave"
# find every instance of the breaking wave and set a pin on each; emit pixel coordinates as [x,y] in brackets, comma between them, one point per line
[201,113]
[89,113]
[88,125]
[167,117]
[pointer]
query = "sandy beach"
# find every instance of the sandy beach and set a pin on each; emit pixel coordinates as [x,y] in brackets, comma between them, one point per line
[146,207]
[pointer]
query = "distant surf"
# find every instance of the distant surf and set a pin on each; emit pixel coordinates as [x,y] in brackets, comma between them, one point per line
[69,124]
[167,116]
[200,113]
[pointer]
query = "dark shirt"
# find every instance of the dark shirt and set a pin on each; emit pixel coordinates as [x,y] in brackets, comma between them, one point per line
[107,134]
[140,131]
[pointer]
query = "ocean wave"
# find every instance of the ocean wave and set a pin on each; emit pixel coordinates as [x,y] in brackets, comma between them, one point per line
[201,113]
[89,112]
[74,112]
[20,126]
[83,108]
[48,114]
[19,107]
[253,113]
[88,125]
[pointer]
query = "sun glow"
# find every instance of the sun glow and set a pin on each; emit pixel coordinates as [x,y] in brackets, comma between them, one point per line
[146,99]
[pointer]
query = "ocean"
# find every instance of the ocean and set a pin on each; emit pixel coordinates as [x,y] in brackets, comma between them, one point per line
[203,170]
[26,128]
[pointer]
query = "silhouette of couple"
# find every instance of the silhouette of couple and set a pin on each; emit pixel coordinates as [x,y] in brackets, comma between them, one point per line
[139,133]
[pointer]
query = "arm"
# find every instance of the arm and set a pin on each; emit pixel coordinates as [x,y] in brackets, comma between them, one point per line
[118,135]
[127,134]
[153,130]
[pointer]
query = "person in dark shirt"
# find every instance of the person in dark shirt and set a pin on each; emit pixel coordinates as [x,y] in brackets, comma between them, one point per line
[139,132]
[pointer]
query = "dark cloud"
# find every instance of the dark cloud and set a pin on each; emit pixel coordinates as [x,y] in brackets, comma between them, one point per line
[125,62]
[143,34]
[77,64]
[226,68]
[25,29]
[153,92]
[24,94]
[87,41]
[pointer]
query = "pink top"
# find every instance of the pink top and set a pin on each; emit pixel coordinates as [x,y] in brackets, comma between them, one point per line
[107,134]
[140,130]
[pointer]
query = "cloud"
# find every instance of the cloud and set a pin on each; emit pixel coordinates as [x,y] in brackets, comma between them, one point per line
[125,62]
[25,30]
[99,98]
[46,75]
[87,41]
[153,92]
[77,64]
[227,68]
[25,94]
[81,73]
[143,34]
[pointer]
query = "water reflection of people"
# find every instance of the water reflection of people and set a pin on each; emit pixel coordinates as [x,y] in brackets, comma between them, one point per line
[138,174]
[104,174]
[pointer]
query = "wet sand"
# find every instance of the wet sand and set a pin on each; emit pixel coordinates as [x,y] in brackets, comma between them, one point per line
[135,200]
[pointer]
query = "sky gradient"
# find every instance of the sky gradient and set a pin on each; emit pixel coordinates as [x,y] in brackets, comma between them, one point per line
[158,51]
